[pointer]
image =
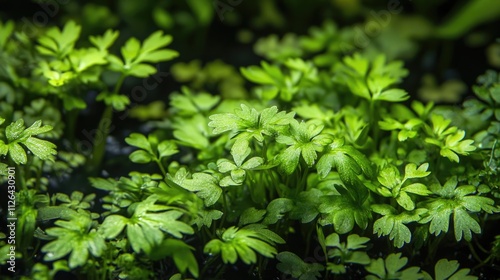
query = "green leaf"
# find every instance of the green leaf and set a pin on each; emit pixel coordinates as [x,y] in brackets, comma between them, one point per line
[188,103]
[130,50]
[182,254]
[146,226]
[348,161]
[119,102]
[276,210]
[355,242]
[371,79]
[105,41]
[241,243]
[156,41]
[411,170]
[167,148]
[112,226]
[240,151]
[203,10]
[137,56]
[192,132]
[151,150]
[306,205]
[394,224]
[305,140]
[251,216]
[448,270]
[257,75]
[76,238]
[140,141]
[250,123]
[389,177]
[455,143]
[395,186]
[459,201]
[392,95]
[470,15]
[140,156]
[346,252]
[291,264]
[204,185]
[59,43]
[5,32]
[16,134]
[17,154]
[205,218]
[343,211]
[71,103]
[391,268]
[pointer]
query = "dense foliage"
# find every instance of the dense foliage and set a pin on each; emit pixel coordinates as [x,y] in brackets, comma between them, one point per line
[316,163]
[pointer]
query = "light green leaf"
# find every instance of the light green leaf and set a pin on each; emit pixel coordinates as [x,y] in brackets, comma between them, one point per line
[392,95]
[447,270]
[105,41]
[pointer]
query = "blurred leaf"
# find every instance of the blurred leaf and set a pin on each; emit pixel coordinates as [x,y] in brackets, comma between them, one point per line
[473,13]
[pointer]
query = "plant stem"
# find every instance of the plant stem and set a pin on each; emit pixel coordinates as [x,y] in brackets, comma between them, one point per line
[483,263]
[71,126]
[226,210]
[308,240]
[207,265]
[474,253]
[303,181]
[374,121]
[100,140]
[434,247]
[163,171]
[103,131]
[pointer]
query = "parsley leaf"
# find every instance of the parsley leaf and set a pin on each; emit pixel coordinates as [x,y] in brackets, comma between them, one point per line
[150,148]
[348,161]
[249,123]
[448,139]
[292,265]
[344,210]
[75,236]
[16,134]
[243,243]
[146,226]
[204,185]
[394,186]
[137,56]
[448,270]
[346,252]
[305,140]
[394,224]
[459,201]
[390,268]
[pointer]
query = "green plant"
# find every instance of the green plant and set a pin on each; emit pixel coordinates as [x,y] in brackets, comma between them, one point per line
[326,147]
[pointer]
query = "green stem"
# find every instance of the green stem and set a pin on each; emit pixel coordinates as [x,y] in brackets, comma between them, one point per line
[226,210]
[480,246]
[303,180]
[433,247]
[207,265]
[22,176]
[483,263]
[438,165]
[374,115]
[163,171]
[474,253]
[103,131]
[100,140]
[308,240]
[71,126]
